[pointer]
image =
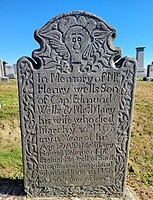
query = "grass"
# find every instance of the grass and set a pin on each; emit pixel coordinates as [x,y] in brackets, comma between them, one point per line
[140,167]
[10,163]
[10,145]
[141,147]
[9,100]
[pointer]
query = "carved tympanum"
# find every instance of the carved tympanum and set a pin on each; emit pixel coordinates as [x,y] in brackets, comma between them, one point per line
[76,39]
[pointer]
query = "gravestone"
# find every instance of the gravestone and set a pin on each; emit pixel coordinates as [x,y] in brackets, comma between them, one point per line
[141,72]
[150,70]
[76,105]
[9,71]
[1,69]
[15,71]
[5,79]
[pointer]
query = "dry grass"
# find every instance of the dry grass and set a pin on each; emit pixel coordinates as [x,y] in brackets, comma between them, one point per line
[140,174]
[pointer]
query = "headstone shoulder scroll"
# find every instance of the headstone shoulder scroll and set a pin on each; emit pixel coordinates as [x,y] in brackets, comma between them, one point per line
[76,105]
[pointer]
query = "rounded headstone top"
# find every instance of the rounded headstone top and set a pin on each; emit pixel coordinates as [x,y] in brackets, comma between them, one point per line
[76,37]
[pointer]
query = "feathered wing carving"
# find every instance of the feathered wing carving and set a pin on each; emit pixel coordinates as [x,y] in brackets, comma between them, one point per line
[54,53]
[98,40]
[98,53]
[55,42]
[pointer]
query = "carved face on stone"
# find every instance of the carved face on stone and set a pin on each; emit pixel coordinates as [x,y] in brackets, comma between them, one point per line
[76,40]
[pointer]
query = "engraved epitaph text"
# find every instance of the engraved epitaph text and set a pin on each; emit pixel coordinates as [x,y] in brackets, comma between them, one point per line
[76,107]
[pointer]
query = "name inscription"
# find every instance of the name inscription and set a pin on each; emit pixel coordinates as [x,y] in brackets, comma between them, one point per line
[76,125]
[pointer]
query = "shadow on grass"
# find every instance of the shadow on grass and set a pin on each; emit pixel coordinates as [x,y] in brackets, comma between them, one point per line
[11,187]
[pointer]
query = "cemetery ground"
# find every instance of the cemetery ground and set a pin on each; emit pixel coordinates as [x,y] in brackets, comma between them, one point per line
[140,165]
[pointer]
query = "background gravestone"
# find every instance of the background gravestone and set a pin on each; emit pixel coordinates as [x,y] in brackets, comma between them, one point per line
[150,70]
[76,108]
[140,62]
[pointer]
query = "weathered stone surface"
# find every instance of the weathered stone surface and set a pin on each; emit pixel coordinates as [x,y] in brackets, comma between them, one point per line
[76,109]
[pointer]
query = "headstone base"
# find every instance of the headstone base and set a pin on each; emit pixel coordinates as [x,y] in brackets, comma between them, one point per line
[129,195]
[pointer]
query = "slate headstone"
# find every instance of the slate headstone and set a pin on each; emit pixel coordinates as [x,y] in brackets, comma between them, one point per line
[76,106]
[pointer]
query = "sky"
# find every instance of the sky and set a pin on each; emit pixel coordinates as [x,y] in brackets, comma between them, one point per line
[133,20]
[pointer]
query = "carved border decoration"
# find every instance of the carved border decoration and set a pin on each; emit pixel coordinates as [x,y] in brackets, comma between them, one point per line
[127,68]
[28,126]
